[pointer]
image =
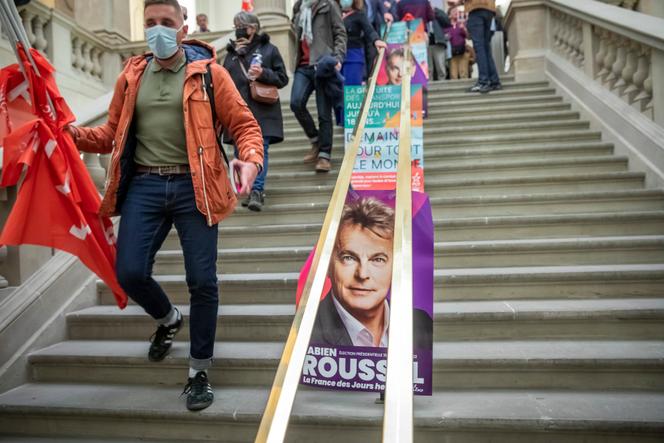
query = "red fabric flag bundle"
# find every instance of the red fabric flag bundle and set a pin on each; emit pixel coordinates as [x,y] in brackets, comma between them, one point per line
[57,204]
[248,5]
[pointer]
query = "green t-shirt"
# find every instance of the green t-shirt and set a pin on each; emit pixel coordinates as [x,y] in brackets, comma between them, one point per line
[159,118]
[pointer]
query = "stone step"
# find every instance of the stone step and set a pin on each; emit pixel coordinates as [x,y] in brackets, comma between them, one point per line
[437,97]
[603,224]
[437,124]
[480,139]
[437,187]
[23,439]
[508,81]
[469,169]
[606,319]
[486,113]
[534,282]
[291,159]
[500,416]
[477,103]
[494,364]
[433,132]
[451,207]
[292,162]
[549,252]
[442,96]
[464,254]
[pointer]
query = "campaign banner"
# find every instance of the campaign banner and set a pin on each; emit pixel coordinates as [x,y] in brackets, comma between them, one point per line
[348,346]
[414,33]
[376,163]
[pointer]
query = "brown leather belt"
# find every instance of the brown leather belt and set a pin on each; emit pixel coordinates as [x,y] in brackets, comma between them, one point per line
[164,170]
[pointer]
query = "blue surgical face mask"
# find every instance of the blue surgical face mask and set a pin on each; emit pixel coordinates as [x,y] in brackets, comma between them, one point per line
[162,40]
[346,4]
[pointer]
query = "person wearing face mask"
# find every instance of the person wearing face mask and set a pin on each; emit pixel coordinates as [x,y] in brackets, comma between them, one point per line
[360,34]
[248,45]
[166,169]
[320,32]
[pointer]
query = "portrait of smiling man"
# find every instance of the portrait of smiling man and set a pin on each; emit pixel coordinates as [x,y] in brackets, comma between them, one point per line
[356,311]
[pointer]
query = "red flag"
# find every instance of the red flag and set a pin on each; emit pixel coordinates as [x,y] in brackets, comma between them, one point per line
[57,204]
[248,5]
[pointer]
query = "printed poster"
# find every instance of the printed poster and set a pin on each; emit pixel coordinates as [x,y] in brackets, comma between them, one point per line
[348,347]
[376,163]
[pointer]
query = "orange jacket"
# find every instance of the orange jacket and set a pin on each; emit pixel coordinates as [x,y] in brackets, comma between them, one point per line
[214,197]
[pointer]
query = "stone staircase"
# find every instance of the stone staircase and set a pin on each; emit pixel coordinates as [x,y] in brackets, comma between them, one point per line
[549,300]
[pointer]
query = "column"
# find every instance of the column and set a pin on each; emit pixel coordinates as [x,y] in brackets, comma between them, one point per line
[657,67]
[527,25]
[271,12]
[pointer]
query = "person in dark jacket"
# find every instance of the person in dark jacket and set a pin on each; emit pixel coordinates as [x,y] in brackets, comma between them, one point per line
[270,71]
[438,45]
[378,16]
[320,31]
[360,33]
[416,8]
[377,13]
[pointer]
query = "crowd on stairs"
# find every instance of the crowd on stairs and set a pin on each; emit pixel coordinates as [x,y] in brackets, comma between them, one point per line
[167,170]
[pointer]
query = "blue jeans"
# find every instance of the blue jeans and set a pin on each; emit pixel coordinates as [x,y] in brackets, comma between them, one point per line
[304,84]
[479,26]
[259,183]
[153,204]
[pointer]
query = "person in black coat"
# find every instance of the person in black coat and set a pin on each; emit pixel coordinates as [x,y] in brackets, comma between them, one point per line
[271,71]
[360,34]
[378,15]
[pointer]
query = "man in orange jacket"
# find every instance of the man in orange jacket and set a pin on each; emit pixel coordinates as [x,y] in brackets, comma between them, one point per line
[166,168]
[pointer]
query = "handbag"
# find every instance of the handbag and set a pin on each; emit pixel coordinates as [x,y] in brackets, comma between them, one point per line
[260,92]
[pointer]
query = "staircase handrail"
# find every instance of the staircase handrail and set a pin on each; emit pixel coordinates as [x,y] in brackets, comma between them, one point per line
[642,28]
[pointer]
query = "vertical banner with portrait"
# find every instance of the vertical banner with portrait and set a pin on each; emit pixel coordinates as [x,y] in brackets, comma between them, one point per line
[414,33]
[348,347]
[376,164]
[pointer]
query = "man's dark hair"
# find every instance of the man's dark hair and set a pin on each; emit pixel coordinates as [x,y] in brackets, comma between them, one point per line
[399,52]
[173,3]
[369,213]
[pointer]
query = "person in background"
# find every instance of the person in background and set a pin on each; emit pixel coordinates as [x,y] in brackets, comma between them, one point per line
[320,32]
[481,15]
[457,35]
[438,41]
[391,7]
[184,13]
[416,8]
[360,33]
[249,46]
[202,23]
[378,16]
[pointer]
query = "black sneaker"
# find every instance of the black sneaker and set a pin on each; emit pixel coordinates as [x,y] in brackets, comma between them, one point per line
[496,87]
[256,201]
[162,340]
[199,392]
[482,89]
